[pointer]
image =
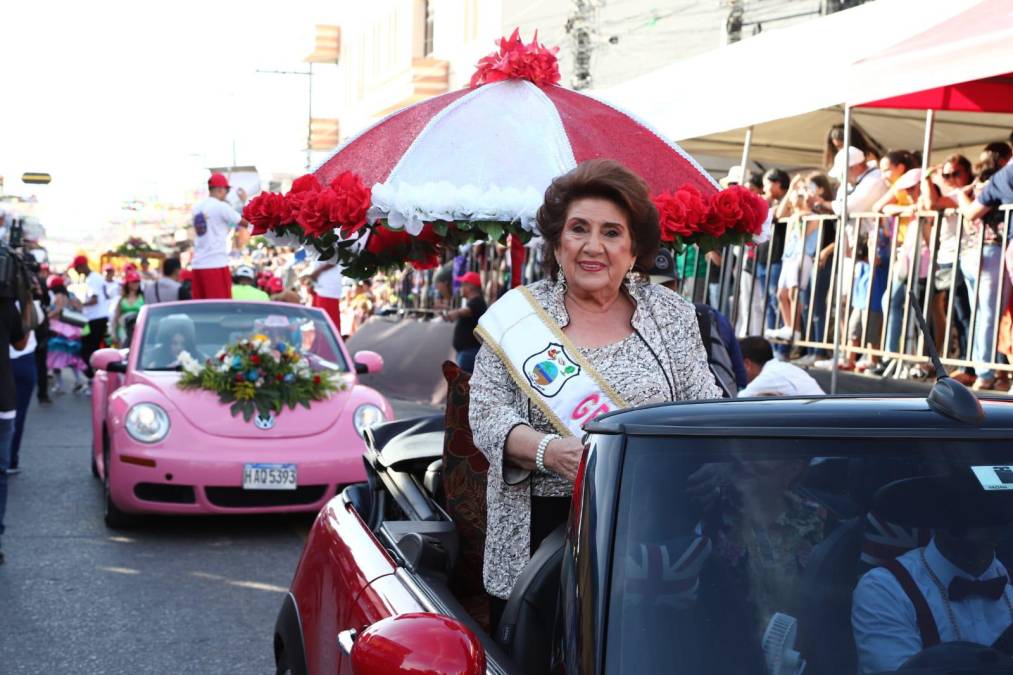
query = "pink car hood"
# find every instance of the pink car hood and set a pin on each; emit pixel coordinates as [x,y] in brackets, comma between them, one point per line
[203,410]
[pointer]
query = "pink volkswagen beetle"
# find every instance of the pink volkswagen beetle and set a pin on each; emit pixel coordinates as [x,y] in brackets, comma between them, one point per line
[162,449]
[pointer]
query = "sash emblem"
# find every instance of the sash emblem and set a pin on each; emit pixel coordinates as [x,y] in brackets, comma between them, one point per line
[548,370]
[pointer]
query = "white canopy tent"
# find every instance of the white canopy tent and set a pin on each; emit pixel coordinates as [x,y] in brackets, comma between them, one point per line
[790,85]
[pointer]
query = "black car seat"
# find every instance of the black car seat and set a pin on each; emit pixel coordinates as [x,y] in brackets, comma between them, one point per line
[825,637]
[528,623]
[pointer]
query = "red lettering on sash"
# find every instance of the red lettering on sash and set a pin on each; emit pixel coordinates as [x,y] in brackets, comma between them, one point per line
[584,407]
[586,411]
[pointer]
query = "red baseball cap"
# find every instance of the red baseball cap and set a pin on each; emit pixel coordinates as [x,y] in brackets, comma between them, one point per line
[470,278]
[275,285]
[218,180]
[130,267]
[79,260]
[54,280]
[130,277]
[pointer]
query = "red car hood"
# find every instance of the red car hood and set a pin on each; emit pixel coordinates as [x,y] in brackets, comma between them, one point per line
[203,410]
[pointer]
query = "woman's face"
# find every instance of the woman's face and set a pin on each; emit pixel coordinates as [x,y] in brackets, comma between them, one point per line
[595,249]
[134,287]
[177,344]
[955,175]
[891,171]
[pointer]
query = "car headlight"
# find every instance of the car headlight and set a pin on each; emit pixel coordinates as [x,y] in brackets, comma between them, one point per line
[147,423]
[366,415]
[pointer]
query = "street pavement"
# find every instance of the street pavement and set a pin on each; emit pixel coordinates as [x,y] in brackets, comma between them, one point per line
[176,595]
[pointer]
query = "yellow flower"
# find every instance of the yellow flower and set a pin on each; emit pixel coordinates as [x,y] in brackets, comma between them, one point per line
[244,391]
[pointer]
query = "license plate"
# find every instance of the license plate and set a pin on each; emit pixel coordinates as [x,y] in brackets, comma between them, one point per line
[269,477]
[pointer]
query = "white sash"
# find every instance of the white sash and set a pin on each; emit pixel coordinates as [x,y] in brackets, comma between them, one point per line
[545,364]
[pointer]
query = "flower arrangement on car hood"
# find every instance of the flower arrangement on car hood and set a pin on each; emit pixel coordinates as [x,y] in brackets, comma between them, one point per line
[258,376]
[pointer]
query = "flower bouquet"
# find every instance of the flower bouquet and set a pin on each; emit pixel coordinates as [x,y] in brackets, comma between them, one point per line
[135,247]
[255,375]
[474,165]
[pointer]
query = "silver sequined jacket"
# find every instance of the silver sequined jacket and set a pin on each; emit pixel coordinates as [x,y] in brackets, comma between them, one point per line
[664,360]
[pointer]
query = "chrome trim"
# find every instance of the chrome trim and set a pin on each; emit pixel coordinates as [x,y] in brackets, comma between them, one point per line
[346,640]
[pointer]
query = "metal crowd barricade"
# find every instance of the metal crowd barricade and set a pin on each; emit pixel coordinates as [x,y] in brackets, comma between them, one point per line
[931,230]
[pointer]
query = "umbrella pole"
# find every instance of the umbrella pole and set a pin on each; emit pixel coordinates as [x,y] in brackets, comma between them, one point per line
[840,267]
[733,311]
[930,126]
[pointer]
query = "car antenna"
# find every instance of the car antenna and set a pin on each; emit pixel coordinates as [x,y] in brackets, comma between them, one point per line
[947,397]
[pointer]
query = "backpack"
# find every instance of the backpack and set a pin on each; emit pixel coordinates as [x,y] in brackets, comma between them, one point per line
[718,359]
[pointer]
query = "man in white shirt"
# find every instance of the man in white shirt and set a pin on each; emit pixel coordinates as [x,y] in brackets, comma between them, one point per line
[769,377]
[328,287]
[953,590]
[96,310]
[864,185]
[111,288]
[214,221]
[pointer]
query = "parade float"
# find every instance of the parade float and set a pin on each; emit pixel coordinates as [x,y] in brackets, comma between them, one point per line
[473,165]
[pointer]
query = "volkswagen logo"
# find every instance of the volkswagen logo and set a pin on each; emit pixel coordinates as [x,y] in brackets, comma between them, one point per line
[264,422]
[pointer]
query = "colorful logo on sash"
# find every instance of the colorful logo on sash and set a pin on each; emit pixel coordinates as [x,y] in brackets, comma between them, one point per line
[548,370]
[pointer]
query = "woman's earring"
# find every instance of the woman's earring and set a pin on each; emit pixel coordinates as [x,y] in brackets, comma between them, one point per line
[631,277]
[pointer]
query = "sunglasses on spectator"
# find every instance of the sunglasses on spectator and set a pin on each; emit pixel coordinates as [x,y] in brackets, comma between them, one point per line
[951,174]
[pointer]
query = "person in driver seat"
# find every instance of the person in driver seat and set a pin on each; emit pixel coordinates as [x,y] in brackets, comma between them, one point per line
[952,590]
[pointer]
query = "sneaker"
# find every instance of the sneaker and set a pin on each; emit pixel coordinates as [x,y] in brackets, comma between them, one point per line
[823,364]
[805,361]
[56,390]
[864,365]
[782,333]
[880,368]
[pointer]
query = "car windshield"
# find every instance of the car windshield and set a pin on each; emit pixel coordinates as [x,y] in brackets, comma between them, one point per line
[752,556]
[203,329]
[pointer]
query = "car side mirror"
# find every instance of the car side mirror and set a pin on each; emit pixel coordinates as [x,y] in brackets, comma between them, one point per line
[108,359]
[367,362]
[416,643]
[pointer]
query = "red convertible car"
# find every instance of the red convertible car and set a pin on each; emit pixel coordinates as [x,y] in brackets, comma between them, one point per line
[704,538]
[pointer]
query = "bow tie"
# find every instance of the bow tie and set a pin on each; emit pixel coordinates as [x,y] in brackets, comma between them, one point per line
[991,589]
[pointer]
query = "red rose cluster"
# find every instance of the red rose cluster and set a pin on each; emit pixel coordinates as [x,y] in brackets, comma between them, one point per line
[687,214]
[515,60]
[315,208]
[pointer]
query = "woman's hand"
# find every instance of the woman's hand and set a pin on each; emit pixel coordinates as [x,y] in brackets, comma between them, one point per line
[562,457]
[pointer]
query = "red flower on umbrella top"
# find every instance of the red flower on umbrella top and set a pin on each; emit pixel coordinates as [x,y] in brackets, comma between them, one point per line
[515,60]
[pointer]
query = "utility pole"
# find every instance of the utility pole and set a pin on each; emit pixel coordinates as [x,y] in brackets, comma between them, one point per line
[734,22]
[582,27]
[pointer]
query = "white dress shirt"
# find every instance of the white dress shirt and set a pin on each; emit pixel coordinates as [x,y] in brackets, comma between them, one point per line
[869,187]
[782,379]
[883,618]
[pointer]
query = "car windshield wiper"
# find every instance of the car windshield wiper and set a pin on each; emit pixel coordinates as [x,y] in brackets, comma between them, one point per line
[165,368]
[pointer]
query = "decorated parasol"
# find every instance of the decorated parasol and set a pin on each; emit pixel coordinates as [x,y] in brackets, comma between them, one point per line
[474,165]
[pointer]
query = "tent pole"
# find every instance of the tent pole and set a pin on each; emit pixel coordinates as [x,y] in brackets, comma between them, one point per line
[746,146]
[840,266]
[930,126]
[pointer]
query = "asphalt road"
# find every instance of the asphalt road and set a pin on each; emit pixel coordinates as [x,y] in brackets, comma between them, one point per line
[177,595]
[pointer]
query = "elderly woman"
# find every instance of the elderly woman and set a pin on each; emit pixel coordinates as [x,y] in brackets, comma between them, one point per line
[625,342]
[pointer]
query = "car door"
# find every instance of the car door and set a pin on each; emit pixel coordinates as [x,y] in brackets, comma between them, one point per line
[340,560]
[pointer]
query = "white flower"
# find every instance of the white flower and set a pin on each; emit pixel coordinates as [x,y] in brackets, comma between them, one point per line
[189,363]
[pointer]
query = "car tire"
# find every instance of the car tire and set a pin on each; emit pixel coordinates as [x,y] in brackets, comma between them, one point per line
[114,518]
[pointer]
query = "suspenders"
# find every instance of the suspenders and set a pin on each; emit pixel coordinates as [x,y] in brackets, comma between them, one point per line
[923,615]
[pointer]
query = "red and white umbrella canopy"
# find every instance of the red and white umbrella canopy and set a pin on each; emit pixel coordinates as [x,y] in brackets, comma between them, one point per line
[474,164]
[488,154]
